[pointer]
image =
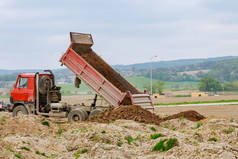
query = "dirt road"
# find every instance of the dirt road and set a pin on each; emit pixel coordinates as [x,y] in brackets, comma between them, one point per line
[227,111]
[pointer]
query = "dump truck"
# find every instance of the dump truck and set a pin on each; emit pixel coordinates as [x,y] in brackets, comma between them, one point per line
[100,76]
[37,93]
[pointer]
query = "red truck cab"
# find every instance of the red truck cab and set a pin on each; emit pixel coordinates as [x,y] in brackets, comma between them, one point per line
[24,88]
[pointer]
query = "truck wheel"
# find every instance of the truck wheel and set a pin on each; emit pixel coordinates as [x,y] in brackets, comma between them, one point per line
[19,111]
[94,112]
[85,114]
[76,115]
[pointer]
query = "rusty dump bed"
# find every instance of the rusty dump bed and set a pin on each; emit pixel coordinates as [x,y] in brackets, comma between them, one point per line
[107,71]
[97,74]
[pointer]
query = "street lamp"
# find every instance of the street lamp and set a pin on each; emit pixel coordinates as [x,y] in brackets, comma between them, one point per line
[151,73]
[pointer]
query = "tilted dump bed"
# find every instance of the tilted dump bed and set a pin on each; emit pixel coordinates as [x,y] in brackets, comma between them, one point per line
[100,76]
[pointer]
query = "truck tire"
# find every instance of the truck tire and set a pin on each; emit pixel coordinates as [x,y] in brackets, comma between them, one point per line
[76,115]
[85,114]
[19,110]
[94,112]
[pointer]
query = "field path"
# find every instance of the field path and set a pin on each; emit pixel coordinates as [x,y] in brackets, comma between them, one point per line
[200,104]
[219,109]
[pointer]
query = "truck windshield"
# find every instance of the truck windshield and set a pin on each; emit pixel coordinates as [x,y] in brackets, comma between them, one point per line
[22,83]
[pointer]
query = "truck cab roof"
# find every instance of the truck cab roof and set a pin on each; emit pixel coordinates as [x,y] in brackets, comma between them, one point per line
[27,75]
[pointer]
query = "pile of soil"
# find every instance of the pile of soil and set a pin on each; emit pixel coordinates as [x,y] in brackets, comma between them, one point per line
[136,113]
[106,70]
[190,115]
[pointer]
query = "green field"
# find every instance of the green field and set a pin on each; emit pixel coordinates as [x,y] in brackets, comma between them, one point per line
[139,82]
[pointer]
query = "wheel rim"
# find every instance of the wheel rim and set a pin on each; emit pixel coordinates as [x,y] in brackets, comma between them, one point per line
[19,113]
[76,118]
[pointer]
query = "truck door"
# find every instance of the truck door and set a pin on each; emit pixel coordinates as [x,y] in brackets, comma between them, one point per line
[21,91]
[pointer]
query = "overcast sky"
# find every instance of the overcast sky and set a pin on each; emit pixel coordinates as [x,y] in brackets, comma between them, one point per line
[35,33]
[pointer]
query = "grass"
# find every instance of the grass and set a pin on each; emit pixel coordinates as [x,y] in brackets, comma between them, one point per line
[119,143]
[180,95]
[166,126]
[198,125]
[103,132]
[108,141]
[83,130]
[156,135]
[153,128]
[25,148]
[129,139]
[95,138]
[41,153]
[197,102]
[60,131]
[165,144]
[84,150]
[139,82]
[213,139]
[4,96]
[3,120]
[69,89]
[228,131]
[10,149]
[77,156]
[17,155]
[46,123]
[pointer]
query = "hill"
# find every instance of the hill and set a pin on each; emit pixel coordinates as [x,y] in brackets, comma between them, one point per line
[225,70]
[173,63]
[222,68]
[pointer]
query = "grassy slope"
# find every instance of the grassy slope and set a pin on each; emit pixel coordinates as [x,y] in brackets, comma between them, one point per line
[139,82]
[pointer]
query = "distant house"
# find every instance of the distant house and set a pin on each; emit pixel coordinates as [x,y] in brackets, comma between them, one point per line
[199,94]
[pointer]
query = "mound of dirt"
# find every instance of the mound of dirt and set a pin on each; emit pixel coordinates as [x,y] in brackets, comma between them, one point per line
[190,115]
[136,113]
[106,70]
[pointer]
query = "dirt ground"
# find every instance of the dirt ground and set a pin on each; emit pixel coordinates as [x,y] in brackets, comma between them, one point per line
[226,111]
[26,137]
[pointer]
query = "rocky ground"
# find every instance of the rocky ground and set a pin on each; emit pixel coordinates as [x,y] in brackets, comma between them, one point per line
[39,137]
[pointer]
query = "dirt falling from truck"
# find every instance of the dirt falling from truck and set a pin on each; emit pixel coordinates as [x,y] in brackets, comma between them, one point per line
[136,113]
[106,70]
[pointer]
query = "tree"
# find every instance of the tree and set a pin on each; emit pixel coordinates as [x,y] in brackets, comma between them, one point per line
[209,84]
[230,86]
[157,87]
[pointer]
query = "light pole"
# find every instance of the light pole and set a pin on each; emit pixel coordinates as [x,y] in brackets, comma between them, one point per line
[151,73]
